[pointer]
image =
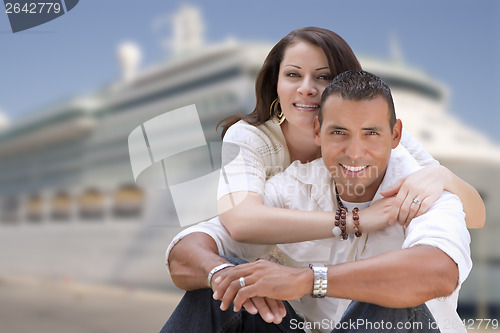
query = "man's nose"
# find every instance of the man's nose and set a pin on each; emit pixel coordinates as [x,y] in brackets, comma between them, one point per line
[355,149]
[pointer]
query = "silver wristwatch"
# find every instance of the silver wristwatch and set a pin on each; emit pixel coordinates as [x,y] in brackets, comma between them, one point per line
[320,280]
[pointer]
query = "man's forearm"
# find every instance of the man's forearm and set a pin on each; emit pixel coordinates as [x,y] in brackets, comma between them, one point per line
[191,259]
[397,279]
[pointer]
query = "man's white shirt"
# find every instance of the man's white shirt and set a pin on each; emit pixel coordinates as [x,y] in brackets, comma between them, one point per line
[309,187]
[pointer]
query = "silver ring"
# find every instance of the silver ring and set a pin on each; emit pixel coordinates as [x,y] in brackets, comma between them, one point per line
[417,202]
[242,281]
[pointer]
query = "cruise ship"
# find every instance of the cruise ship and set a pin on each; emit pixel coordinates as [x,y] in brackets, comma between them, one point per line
[70,207]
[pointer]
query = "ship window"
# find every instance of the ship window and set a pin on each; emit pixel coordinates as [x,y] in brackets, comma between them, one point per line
[91,205]
[9,210]
[61,206]
[128,201]
[34,208]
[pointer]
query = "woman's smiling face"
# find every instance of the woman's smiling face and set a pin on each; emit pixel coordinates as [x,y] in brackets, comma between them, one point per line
[303,75]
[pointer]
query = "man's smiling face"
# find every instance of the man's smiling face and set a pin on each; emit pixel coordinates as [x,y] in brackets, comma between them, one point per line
[356,142]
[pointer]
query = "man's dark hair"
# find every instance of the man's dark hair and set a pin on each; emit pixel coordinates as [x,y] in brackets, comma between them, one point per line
[357,85]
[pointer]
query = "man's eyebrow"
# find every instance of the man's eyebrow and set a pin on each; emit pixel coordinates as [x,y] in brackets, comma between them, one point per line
[374,128]
[336,127]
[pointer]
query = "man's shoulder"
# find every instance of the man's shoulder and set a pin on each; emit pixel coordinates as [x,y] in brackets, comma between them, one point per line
[448,200]
[401,163]
[445,213]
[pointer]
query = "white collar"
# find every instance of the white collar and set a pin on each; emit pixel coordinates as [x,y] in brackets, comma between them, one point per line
[400,165]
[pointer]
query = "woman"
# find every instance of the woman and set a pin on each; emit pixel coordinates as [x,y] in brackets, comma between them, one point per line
[279,131]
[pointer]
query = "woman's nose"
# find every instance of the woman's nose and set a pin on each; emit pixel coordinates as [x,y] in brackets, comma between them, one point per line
[308,87]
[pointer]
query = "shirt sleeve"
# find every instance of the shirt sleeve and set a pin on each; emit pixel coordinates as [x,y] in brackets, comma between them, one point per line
[443,226]
[274,191]
[226,245]
[416,150]
[242,164]
[250,155]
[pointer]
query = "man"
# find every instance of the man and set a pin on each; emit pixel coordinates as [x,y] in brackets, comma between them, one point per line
[359,134]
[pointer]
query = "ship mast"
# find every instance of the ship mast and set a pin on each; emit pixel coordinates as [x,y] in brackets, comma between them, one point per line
[188,30]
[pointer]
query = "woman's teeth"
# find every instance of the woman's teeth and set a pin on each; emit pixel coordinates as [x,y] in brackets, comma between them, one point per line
[306,106]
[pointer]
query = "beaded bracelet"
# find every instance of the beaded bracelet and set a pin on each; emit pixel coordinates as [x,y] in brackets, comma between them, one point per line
[355,219]
[340,228]
[336,229]
[343,212]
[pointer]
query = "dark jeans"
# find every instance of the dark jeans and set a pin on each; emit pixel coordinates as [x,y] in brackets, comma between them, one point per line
[199,312]
[366,317]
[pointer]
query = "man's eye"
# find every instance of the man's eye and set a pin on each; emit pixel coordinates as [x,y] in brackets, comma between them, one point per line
[337,132]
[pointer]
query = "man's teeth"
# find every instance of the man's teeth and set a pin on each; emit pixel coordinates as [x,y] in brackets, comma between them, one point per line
[354,168]
[306,106]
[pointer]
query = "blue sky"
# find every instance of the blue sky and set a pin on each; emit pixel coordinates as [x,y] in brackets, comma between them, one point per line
[456,41]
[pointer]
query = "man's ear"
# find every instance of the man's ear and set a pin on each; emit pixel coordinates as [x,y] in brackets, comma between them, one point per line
[317,130]
[397,130]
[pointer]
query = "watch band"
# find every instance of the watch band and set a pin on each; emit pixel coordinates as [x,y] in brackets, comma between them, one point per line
[320,280]
[215,270]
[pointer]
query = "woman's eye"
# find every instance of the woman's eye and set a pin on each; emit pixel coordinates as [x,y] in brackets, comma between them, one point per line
[325,77]
[292,74]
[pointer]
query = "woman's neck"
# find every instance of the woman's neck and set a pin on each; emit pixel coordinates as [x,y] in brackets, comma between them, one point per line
[301,145]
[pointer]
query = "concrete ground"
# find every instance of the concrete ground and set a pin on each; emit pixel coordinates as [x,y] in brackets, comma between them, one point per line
[29,305]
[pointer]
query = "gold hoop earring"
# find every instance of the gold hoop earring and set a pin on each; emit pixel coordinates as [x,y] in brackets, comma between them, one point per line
[275,112]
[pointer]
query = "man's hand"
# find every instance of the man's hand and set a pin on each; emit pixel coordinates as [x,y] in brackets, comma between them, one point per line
[271,310]
[262,279]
